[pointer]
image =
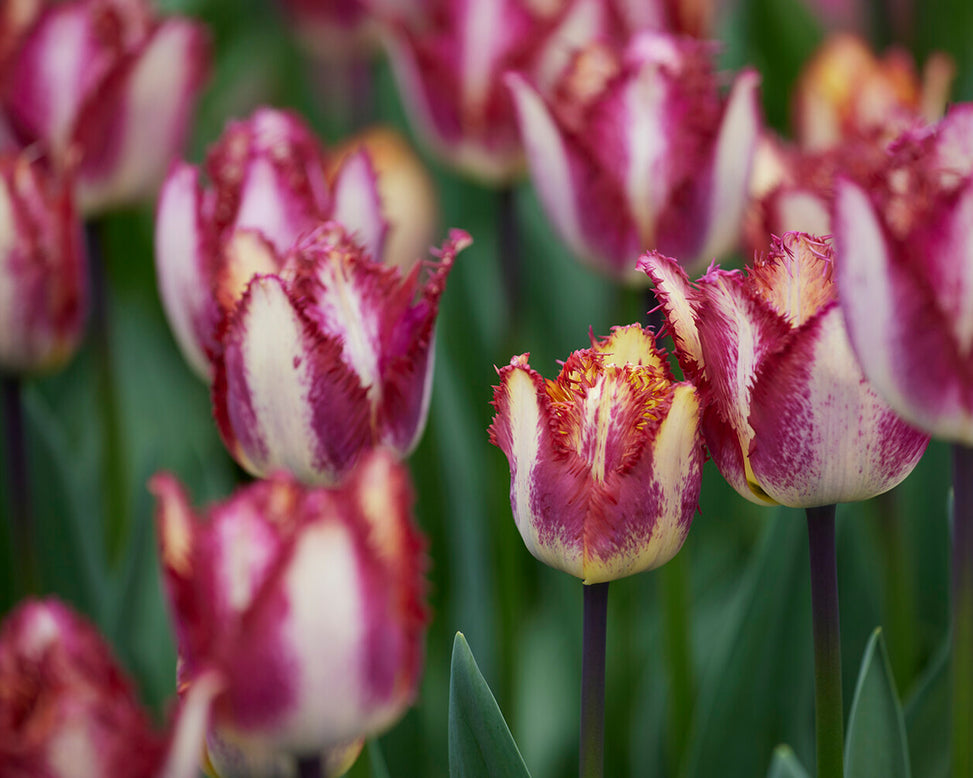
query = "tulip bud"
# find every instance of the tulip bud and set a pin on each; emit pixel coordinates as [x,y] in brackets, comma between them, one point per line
[43,271]
[107,88]
[307,603]
[328,358]
[68,711]
[606,461]
[789,418]
[905,246]
[637,149]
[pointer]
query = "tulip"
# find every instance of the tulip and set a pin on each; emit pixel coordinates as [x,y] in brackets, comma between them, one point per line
[449,63]
[68,711]
[789,418]
[329,357]
[637,149]
[43,271]
[684,17]
[271,182]
[107,86]
[605,462]
[307,604]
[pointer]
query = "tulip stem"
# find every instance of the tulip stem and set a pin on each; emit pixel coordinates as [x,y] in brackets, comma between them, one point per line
[592,756]
[113,459]
[962,660]
[674,577]
[828,712]
[509,248]
[900,607]
[15,452]
[309,767]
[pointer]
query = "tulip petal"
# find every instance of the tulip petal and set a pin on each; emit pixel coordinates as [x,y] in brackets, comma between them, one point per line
[181,257]
[282,394]
[679,300]
[915,367]
[189,730]
[730,174]
[357,205]
[822,435]
[133,125]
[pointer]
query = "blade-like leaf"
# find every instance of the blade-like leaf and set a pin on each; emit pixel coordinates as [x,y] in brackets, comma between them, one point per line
[480,744]
[785,764]
[927,718]
[876,745]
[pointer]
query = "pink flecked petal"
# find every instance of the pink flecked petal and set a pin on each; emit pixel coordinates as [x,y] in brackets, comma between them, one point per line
[822,434]
[282,394]
[730,173]
[133,126]
[181,261]
[189,729]
[357,205]
[794,209]
[918,370]
[679,300]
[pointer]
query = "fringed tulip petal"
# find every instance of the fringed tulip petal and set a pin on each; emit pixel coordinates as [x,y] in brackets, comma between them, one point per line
[357,204]
[815,392]
[605,461]
[181,263]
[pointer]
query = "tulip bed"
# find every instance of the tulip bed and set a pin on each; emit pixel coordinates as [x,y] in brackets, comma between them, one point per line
[710,664]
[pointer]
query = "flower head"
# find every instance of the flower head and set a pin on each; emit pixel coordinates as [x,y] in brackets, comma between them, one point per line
[789,416]
[637,149]
[43,269]
[308,604]
[107,87]
[605,461]
[905,247]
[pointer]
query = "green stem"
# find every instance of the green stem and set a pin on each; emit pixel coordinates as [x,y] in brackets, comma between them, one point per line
[900,604]
[674,577]
[592,756]
[828,712]
[962,658]
[508,247]
[113,473]
[18,482]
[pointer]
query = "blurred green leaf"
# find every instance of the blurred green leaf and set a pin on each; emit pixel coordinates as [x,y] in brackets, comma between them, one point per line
[876,744]
[927,718]
[786,765]
[480,744]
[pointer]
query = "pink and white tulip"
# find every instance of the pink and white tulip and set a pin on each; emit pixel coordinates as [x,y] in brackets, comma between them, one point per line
[449,64]
[605,461]
[270,183]
[638,149]
[308,604]
[905,274]
[328,357]
[43,269]
[790,418]
[108,89]
[68,711]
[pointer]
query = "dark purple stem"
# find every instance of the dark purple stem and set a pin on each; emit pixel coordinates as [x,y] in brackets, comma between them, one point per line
[592,755]
[508,246]
[962,666]
[309,767]
[18,482]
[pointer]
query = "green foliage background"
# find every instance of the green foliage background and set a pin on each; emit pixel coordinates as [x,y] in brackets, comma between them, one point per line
[742,575]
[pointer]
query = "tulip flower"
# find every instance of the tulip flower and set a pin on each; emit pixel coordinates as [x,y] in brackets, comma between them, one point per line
[307,604]
[329,357]
[906,282]
[43,271]
[684,17]
[68,711]
[106,86]
[789,416]
[605,461]
[271,182]
[449,63]
[637,149]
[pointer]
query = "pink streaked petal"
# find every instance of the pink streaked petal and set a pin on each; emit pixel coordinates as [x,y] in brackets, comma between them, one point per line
[730,174]
[182,267]
[651,505]
[283,397]
[189,729]
[793,209]
[679,300]
[723,444]
[822,434]
[133,126]
[246,253]
[521,429]
[357,205]
[905,345]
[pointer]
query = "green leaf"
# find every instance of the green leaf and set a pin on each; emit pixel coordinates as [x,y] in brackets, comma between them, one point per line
[876,743]
[785,764]
[927,718]
[480,744]
[376,760]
